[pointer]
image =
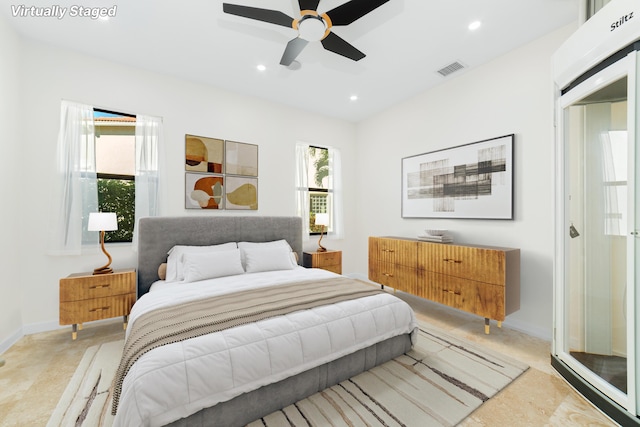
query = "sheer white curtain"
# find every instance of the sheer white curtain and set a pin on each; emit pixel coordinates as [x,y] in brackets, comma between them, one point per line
[302,187]
[76,187]
[335,186]
[149,152]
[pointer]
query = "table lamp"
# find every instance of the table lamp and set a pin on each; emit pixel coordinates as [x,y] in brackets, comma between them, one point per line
[322,219]
[103,221]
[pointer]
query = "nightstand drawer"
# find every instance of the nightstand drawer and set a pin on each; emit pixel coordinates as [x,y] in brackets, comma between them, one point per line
[329,260]
[96,309]
[84,286]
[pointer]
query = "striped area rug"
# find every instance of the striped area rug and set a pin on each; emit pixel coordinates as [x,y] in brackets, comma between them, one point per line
[439,383]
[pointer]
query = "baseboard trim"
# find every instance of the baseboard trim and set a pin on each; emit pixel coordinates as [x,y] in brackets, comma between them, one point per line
[11,340]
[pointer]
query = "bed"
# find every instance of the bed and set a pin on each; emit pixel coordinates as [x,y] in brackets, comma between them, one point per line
[238,373]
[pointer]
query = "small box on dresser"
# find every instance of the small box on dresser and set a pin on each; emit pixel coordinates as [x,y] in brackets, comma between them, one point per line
[85,297]
[330,260]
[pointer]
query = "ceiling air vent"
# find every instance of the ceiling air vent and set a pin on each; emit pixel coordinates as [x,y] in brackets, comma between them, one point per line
[451,68]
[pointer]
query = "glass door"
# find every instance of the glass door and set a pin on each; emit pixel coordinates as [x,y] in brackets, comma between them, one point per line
[597,316]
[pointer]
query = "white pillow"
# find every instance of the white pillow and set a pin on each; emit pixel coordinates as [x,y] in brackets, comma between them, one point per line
[273,244]
[267,259]
[174,261]
[209,265]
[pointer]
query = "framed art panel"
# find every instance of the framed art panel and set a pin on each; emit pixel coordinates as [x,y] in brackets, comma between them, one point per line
[204,154]
[241,193]
[241,158]
[204,191]
[472,181]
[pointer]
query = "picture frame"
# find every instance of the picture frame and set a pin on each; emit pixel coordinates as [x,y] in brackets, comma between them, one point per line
[241,158]
[204,191]
[204,154]
[470,181]
[241,193]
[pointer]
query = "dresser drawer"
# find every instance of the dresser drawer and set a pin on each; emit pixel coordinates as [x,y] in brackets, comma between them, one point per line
[399,277]
[95,309]
[483,299]
[81,287]
[394,251]
[467,262]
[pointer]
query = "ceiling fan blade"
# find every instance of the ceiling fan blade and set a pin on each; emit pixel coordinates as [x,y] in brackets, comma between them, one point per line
[294,47]
[338,45]
[308,4]
[266,15]
[353,10]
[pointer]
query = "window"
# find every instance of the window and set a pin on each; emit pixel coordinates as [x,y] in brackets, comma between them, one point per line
[76,182]
[115,170]
[318,186]
[319,191]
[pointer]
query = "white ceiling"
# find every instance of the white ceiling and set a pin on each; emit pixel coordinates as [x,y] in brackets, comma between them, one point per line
[406,42]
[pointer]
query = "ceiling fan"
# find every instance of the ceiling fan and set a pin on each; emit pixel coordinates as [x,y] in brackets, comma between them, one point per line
[311,25]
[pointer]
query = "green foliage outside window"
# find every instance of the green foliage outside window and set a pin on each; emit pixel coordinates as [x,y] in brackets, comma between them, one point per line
[118,195]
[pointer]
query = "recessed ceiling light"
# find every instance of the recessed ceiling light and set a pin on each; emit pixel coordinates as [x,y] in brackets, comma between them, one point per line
[475,25]
[353,97]
[261,67]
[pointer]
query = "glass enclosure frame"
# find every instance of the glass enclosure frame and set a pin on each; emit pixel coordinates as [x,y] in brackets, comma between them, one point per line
[626,67]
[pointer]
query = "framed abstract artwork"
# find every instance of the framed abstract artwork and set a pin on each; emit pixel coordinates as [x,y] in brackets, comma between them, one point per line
[204,154]
[241,193]
[204,191]
[241,158]
[473,181]
[220,174]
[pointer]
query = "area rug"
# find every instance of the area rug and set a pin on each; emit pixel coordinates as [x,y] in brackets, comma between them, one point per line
[87,399]
[438,383]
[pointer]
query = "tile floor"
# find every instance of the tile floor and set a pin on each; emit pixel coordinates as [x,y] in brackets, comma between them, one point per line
[39,366]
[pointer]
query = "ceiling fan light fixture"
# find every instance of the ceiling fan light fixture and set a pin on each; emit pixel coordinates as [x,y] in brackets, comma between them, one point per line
[312,28]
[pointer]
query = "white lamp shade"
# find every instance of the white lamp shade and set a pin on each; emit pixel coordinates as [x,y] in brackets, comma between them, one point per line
[322,219]
[102,221]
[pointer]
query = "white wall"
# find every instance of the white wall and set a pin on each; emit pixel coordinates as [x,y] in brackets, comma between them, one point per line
[50,75]
[12,163]
[512,94]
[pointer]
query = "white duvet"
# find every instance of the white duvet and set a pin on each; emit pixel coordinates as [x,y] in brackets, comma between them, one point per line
[177,380]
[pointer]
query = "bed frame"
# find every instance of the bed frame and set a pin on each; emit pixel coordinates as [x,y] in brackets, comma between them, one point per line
[156,235]
[159,234]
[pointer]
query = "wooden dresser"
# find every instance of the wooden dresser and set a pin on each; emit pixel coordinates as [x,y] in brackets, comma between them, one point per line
[482,280]
[86,297]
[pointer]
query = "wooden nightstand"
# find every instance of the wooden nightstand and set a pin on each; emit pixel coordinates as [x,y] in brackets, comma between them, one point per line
[329,260]
[85,297]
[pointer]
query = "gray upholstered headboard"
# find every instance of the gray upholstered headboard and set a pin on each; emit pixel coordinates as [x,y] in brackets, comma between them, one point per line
[157,235]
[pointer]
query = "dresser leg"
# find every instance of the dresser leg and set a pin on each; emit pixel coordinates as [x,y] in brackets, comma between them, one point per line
[74,331]
[79,326]
[125,321]
[486,325]
[499,323]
